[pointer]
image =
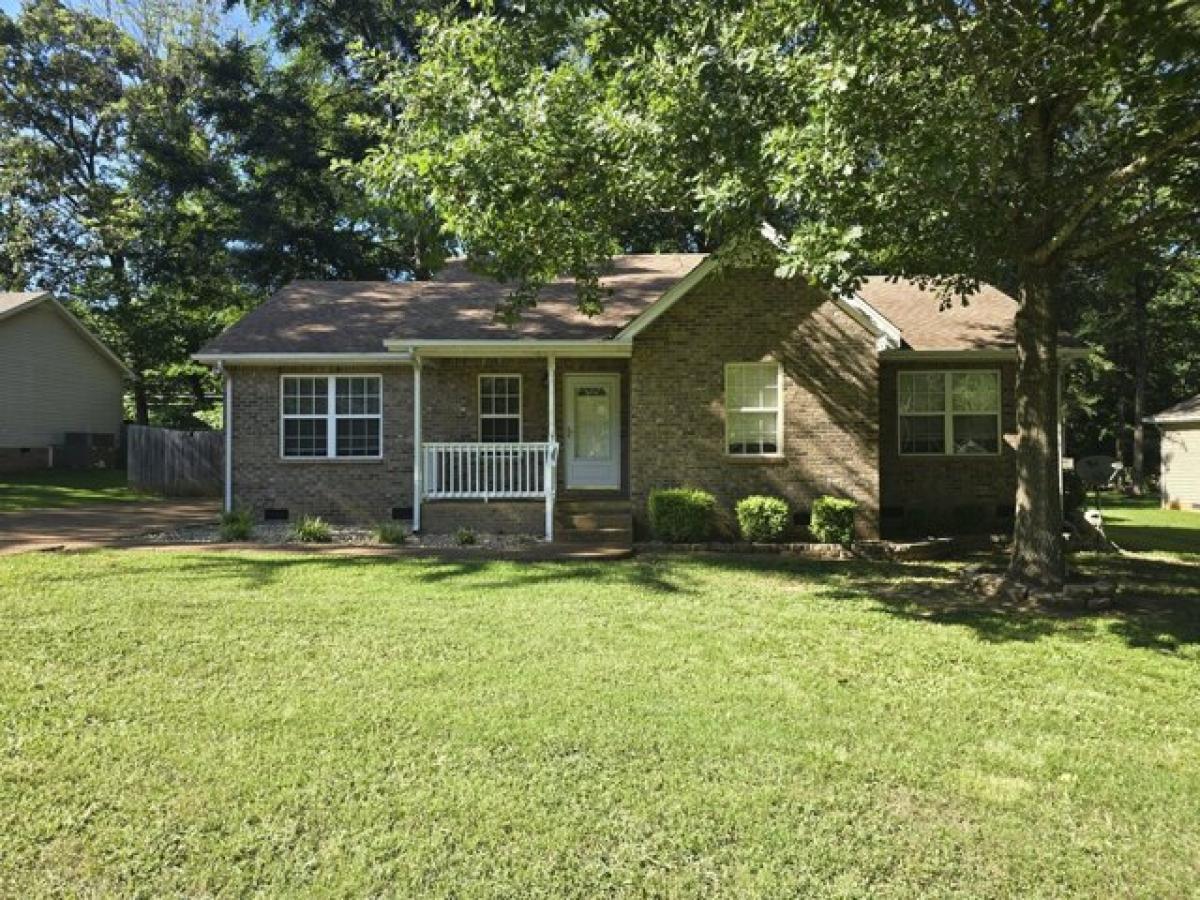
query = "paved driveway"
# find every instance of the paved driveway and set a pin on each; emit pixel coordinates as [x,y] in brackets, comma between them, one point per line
[101,525]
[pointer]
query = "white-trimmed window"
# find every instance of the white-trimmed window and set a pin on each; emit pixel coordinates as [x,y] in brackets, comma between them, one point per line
[949,413]
[500,409]
[331,417]
[753,409]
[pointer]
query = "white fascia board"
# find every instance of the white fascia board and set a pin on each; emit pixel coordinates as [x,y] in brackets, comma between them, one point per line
[299,359]
[887,335]
[1067,353]
[433,348]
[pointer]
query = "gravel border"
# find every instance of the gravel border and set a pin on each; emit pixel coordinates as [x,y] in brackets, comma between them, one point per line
[276,534]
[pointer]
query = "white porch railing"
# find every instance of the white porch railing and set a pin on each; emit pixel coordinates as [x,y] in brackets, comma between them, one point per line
[479,471]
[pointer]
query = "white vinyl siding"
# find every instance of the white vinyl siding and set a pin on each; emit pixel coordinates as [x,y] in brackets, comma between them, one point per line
[53,380]
[949,413]
[1181,465]
[500,409]
[331,417]
[754,409]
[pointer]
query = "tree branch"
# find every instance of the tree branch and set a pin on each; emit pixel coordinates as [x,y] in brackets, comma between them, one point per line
[1114,181]
[1099,246]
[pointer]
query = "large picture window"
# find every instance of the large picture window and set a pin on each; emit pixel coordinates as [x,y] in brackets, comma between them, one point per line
[500,409]
[949,413]
[753,409]
[332,417]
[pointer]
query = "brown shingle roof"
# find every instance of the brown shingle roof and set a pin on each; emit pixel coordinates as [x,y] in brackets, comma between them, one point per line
[984,323]
[358,316]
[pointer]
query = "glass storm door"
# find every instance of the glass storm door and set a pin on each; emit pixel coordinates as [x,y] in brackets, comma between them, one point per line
[593,446]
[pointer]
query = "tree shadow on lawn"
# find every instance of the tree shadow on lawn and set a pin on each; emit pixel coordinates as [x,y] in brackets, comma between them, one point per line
[1158,607]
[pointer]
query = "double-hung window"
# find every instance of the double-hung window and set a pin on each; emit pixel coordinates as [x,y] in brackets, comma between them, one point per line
[332,417]
[500,409]
[949,413]
[753,409]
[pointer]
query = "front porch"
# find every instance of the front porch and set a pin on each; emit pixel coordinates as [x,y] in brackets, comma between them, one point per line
[498,440]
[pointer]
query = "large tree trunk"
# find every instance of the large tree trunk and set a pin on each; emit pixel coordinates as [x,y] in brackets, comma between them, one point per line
[141,403]
[1140,367]
[1037,553]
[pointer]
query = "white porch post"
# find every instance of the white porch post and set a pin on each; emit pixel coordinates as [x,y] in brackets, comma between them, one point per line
[418,462]
[551,476]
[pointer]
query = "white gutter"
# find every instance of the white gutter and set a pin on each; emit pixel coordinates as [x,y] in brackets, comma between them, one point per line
[510,348]
[298,359]
[1067,353]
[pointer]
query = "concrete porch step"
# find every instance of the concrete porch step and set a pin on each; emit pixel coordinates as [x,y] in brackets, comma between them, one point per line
[589,521]
[596,535]
[591,552]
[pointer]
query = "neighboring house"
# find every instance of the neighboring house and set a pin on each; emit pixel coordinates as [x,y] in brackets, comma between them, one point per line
[731,380]
[56,379]
[1180,449]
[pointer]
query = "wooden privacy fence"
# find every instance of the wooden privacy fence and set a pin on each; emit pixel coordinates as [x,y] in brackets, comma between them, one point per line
[176,463]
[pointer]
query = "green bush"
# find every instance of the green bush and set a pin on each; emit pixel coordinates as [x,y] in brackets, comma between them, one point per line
[762,519]
[236,525]
[465,537]
[832,520]
[682,515]
[390,533]
[312,530]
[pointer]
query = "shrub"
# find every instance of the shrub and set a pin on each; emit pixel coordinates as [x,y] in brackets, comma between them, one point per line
[390,533]
[762,519]
[682,515]
[465,537]
[832,520]
[312,530]
[236,525]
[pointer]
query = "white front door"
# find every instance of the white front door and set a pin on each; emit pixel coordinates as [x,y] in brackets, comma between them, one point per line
[593,447]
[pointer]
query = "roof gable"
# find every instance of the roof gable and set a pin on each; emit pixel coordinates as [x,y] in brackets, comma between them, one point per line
[14,303]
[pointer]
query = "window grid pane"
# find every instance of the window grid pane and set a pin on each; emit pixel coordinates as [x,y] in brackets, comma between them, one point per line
[357,437]
[304,437]
[500,408]
[922,392]
[922,434]
[977,392]
[305,397]
[752,386]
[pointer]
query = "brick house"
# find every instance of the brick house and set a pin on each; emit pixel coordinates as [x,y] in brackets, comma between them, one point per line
[366,401]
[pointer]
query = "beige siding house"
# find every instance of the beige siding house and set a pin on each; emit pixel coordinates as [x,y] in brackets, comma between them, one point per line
[57,378]
[363,401]
[1180,427]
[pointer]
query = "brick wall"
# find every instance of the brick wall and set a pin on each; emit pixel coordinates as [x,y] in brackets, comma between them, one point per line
[946,494]
[360,491]
[831,395]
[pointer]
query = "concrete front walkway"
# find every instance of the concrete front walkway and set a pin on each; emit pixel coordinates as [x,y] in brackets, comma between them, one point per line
[100,525]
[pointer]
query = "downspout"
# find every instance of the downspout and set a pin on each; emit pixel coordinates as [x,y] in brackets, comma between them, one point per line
[227,417]
[1062,364]
[551,474]
[418,464]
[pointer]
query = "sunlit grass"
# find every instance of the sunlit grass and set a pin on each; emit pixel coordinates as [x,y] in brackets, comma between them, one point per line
[57,488]
[275,724]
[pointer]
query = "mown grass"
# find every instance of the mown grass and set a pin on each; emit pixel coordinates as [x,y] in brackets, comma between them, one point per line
[55,488]
[1140,524]
[280,724]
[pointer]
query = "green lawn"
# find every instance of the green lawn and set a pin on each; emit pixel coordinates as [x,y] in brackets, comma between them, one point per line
[57,488]
[1141,524]
[279,724]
